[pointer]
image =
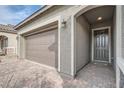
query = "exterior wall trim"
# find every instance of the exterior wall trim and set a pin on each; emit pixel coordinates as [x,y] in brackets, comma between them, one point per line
[8,32]
[43,24]
[72,47]
[59,27]
[43,30]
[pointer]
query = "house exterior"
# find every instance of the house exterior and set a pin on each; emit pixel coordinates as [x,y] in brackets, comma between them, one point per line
[8,41]
[69,37]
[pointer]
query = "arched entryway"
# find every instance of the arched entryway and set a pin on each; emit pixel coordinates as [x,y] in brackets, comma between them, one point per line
[94,35]
[94,45]
[3,45]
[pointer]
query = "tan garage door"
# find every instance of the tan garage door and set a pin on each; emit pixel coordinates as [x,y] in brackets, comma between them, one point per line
[42,48]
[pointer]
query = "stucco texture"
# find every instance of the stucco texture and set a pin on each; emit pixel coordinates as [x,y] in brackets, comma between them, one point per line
[12,41]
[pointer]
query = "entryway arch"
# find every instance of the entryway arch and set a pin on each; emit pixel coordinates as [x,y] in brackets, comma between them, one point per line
[88,18]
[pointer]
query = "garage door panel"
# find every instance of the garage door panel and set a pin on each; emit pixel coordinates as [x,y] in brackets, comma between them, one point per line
[42,47]
[40,56]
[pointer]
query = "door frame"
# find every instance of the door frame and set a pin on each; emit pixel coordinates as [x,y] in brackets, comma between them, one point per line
[109,39]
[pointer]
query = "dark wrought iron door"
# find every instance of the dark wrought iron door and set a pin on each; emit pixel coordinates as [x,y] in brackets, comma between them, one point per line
[101,45]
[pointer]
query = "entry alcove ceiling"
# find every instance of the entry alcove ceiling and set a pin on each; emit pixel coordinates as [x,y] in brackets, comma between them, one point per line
[106,12]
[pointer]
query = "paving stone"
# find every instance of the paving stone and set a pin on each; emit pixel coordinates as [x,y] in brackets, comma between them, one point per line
[15,73]
[94,75]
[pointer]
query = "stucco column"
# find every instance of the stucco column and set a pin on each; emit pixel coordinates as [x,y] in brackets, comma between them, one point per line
[117,76]
[21,47]
[66,46]
[119,30]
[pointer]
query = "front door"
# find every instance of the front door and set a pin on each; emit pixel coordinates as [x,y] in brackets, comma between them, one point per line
[101,45]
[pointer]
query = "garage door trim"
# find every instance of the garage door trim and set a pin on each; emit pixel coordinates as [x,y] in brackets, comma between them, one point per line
[41,31]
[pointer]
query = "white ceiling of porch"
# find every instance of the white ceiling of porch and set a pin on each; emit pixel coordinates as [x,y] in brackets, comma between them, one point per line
[106,12]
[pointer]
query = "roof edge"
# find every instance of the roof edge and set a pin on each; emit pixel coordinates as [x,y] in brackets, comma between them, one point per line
[8,32]
[41,10]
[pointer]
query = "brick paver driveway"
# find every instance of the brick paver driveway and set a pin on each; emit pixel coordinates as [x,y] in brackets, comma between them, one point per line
[16,73]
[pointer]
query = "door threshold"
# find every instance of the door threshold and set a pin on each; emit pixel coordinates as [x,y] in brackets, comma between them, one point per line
[104,63]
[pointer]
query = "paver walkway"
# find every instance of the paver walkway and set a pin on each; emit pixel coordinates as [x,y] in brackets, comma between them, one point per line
[94,75]
[18,74]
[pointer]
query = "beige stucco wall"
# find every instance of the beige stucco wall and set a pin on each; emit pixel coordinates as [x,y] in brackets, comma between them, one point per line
[66,53]
[65,40]
[50,15]
[81,42]
[12,41]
